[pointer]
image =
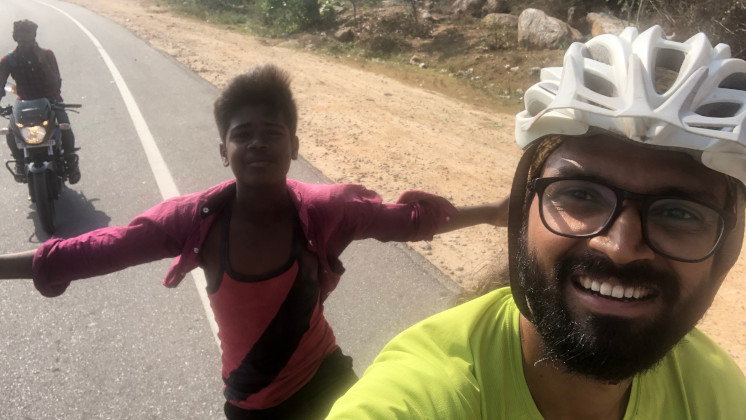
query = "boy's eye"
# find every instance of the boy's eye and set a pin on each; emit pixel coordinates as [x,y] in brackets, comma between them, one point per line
[276,131]
[240,135]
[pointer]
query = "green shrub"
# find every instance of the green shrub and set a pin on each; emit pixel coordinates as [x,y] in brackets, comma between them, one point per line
[500,37]
[289,16]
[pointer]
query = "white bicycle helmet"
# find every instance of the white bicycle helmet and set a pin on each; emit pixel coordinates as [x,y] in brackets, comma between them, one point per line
[609,83]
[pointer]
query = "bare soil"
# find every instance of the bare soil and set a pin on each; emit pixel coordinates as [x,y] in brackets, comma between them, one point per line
[363,121]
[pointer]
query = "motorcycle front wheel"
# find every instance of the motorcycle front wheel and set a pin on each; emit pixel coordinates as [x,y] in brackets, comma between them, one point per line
[42,198]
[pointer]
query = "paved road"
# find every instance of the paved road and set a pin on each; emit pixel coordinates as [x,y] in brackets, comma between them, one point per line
[122,346]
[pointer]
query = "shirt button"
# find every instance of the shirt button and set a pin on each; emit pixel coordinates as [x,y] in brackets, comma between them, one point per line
[196,250]
[448,218]
[205,210]
[310,242]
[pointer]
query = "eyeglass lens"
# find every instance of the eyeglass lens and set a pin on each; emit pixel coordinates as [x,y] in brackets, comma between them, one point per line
[678,228]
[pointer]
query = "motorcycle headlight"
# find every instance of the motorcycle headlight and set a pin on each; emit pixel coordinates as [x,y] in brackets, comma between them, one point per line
[33,135]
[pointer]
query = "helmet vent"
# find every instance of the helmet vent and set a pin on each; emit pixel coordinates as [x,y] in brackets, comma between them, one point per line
[599,85]
[735,81]
[600,53]
[719,110]
[667,68]
[534,108]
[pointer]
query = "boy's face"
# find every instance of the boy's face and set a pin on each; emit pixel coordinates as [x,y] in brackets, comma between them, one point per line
[593,332]
[25,39]
[258,147]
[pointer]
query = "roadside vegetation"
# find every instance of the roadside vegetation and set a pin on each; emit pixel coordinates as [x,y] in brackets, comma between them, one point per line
[435,45]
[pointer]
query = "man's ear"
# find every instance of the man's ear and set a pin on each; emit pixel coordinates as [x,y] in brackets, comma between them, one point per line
[294,145]
[224,154]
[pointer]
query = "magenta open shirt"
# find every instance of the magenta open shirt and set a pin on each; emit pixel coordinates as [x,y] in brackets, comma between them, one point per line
[331,215]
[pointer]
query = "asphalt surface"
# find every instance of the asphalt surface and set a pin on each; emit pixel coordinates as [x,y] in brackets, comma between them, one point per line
[123,346]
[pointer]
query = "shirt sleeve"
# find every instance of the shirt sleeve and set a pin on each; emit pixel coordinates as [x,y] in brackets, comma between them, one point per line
[412,378]
[149,237]
[4,73]
[55,79]
[416,216]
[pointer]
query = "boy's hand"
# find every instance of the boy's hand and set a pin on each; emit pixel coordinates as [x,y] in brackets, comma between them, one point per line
[500,212]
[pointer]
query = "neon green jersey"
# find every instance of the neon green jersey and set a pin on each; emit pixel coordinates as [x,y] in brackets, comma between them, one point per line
[465,363]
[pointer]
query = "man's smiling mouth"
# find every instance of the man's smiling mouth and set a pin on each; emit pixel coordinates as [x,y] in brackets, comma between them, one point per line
[610,289]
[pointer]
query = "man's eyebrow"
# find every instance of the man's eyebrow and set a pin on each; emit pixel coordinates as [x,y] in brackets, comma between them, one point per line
[569,170]
[700,195]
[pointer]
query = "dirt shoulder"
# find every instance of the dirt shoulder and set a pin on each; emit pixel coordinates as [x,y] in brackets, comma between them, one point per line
[357,126]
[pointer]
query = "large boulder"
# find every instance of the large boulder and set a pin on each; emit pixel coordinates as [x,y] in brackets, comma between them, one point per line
[468,7]
[500,19]
[537,30]
[602,23]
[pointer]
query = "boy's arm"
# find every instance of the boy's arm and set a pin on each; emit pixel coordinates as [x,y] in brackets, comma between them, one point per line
[4,73]
[416,216]
[56,79]
[495,213]
[16,266]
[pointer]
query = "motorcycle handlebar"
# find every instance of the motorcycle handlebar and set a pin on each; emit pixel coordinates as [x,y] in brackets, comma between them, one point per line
[61,105]
[6,111]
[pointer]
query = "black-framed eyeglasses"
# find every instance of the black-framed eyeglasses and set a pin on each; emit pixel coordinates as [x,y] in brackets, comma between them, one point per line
[676,227]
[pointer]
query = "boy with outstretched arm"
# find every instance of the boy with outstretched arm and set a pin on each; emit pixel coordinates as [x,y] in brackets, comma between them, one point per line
[269,247]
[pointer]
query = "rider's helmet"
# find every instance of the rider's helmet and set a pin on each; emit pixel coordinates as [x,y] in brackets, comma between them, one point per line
[617,85]
[24,26]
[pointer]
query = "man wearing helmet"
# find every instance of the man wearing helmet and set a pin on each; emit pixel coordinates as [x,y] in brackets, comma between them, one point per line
[37,75]
[626,214]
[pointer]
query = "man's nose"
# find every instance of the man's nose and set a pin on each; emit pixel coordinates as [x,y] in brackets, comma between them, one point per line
[623,242]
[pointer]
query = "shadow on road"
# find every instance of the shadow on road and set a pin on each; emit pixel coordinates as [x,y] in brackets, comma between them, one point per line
[74,214]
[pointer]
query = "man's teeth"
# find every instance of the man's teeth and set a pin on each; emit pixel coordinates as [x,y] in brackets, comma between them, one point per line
[618,291]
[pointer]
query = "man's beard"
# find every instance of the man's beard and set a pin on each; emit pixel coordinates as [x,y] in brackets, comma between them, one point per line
[605,347]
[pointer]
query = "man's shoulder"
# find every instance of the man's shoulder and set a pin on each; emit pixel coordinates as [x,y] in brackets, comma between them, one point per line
[698,351]
[46,51]
[442,365]
[8,59]
[487,319]
[697,369]
[50,54]
[703,359]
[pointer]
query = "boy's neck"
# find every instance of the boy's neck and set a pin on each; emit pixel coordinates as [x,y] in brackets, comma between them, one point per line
[263,201]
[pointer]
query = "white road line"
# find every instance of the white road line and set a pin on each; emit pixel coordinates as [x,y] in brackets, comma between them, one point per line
[162,175]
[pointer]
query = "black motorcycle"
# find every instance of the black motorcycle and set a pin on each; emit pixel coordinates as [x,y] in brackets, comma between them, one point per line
[37,133]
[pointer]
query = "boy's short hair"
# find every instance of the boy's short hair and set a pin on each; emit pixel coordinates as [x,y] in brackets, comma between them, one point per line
[266,85]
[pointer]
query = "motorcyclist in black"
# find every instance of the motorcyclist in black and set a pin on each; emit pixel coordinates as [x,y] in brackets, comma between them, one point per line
[37,75]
